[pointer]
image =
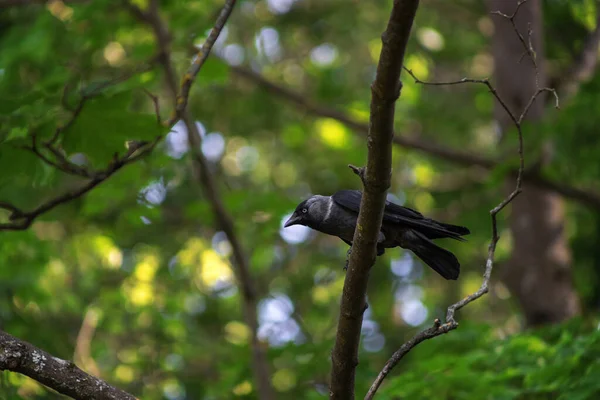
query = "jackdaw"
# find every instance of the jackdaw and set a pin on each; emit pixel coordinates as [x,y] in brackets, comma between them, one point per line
[337,215]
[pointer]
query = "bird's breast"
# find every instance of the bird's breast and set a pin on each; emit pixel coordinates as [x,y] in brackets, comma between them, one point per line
[339,223]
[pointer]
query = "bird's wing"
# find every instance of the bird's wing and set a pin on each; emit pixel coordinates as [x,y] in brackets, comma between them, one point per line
[394,213]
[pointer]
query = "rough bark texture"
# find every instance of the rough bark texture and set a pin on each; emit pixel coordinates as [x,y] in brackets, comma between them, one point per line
[539,272]
[385,90]
[63,376]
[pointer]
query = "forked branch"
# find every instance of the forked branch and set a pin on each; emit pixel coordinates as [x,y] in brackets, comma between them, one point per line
[450,323]
[376,177]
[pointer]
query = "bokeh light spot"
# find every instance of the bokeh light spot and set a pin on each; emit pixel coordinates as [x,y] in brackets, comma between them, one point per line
[114,53]
[243,389]
[323,55]
[414,312]
[424,174]
[430,38]
[213,146]
[333,133]
[237,332]
[284,380]
[294,234]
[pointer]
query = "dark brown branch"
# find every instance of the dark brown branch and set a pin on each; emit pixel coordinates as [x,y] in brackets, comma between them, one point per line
[450,324]
[202,55]
[385,90]
[224,220]
[152,19]
[23,219]
[63,376]
[468,159]
[19,219]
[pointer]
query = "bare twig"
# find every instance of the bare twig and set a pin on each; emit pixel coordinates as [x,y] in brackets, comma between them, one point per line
[23,219]
[587,197]
[156,105]
[152,19]
[450,323]
[240,259]
[385,90]
[200,58]
[527,45]
[63,376]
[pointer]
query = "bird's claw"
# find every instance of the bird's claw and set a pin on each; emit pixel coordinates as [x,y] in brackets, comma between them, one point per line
[348,258]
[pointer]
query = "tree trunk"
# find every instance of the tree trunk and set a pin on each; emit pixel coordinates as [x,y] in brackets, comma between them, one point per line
[539,272]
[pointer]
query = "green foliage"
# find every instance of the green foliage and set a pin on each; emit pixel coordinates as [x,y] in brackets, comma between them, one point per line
[138,263]
[557,363]
[105,125]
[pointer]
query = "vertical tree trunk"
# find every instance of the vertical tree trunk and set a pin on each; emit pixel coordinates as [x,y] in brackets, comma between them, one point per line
[539,272]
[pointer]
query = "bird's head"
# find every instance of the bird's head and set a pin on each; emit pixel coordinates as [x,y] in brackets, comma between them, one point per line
[308,212]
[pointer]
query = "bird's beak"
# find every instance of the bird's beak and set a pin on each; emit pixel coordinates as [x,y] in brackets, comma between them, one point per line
[294,220]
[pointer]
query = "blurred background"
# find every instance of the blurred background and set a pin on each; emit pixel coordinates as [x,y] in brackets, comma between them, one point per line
[135,281]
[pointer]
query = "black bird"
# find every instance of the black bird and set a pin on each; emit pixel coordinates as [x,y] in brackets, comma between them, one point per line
[337,215]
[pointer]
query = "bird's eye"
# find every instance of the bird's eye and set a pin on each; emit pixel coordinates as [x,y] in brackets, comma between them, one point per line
[304,210]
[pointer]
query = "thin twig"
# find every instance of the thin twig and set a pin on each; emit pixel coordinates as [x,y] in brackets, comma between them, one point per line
[450,323]
[202,55]
[24,219]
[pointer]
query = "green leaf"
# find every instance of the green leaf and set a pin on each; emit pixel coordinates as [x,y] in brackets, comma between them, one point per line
[19,166]
[104,126]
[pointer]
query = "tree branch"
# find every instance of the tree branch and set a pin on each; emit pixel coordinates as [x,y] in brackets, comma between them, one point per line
[589,198]
[450,324]
[152,19]
[63,376]
[385,90]
[21,220]
[240,259]
[202,55]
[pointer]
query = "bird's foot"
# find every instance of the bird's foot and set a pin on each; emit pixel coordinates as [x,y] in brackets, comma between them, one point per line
[348,258]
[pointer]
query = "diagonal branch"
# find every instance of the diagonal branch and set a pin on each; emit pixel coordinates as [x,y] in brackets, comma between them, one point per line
[385,90]
[200,58]
[63,376]
[152,19]
[20,220]
[450,323]
[587,197]
[224,220]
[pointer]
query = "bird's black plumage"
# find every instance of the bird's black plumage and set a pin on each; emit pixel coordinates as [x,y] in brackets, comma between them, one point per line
[395,214]
[401,226]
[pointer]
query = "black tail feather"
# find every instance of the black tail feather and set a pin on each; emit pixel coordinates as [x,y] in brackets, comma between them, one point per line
[439,230]
[460,230]
[440,260]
